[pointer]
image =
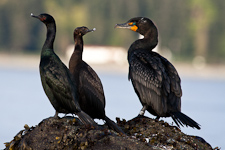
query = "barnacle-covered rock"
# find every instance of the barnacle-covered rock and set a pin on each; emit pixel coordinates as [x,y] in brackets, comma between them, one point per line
[160,134]
[69,133]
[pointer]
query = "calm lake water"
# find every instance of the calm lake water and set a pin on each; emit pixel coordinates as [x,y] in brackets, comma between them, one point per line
[23,101]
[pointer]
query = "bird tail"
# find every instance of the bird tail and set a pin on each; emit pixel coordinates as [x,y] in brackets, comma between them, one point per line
[86,119]
[182,119]
[112,125]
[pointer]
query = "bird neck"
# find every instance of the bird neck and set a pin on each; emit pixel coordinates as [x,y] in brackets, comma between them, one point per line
[50,37]
[78,39]
[149,41]
[152,38]
[76,57]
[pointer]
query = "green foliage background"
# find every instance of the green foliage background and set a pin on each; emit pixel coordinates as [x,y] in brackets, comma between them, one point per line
[188,28]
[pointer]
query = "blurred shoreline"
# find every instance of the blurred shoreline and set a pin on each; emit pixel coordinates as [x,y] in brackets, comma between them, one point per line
[31,62]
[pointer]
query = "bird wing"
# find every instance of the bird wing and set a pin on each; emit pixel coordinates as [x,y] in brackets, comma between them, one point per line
[92,88]
[151,79]
[173,76]
[58,79]
[175,93]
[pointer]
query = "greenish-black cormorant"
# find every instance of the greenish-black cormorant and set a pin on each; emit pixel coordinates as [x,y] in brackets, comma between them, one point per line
[155,80]
[56,78]
[90,89]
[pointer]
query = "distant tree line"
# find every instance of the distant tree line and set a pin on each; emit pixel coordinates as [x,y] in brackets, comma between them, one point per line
[188,28]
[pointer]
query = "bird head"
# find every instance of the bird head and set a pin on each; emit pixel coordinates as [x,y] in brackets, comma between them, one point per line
[45,18]
[141,25]
[83,30]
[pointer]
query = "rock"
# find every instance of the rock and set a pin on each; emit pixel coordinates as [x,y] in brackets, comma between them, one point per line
[69,133]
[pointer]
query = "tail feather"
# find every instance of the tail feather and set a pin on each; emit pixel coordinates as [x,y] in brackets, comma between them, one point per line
[182,119]
[86,119]
[112,125]
[177,121]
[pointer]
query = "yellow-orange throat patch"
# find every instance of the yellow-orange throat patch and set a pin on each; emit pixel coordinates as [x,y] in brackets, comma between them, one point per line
[134,28]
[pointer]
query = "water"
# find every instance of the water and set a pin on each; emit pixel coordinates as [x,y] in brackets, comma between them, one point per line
[23,101]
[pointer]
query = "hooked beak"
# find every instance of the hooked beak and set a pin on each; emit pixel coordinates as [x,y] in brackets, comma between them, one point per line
[123,25]
[126,26]
[92,30]
[32,15]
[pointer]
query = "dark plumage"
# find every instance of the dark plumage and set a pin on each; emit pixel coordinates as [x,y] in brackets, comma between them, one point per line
[56,78]
[90,90]
[154,78]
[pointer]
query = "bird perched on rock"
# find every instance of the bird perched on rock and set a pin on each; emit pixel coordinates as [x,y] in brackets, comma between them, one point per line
[56,78]
[90,89]
[155,80]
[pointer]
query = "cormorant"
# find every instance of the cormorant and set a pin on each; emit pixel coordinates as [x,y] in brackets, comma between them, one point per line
[155,80]
[91,94]
[56,78]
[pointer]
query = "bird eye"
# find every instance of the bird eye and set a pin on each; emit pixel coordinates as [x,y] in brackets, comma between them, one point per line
[43,18]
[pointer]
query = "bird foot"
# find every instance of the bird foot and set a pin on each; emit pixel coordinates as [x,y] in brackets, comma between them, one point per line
[56,115]
[157,119]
